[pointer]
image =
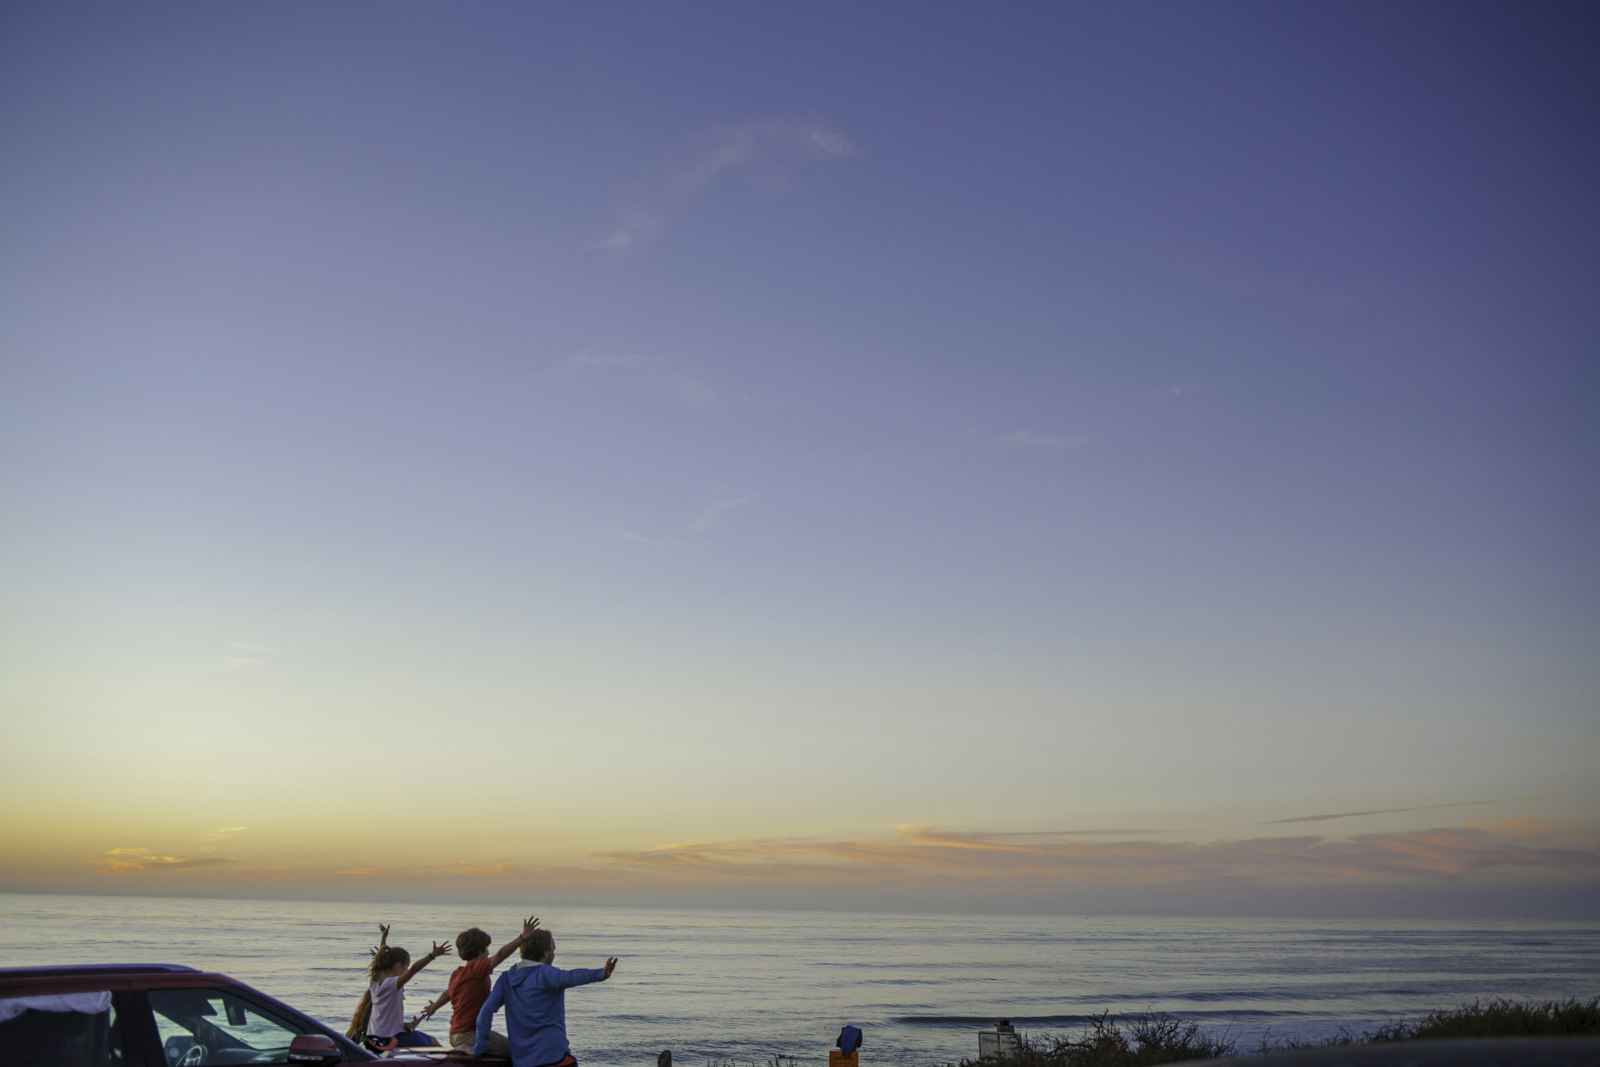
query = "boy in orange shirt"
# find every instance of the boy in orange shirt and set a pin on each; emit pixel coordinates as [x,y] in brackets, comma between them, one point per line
[469,986]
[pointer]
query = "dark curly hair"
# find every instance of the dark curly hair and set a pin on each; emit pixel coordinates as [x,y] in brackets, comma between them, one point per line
[472,943]
[538,944]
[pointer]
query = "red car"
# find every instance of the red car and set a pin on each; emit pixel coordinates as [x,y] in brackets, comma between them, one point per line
[160,1015]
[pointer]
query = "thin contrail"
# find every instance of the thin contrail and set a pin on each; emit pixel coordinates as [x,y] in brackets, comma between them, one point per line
[1391,811]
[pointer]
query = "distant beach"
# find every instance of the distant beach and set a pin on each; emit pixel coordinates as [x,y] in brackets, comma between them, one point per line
[748,986]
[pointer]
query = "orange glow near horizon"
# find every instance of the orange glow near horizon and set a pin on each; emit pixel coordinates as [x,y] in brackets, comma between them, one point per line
[961,864]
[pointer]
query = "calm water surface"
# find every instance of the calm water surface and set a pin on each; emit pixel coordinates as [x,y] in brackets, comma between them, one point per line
[748,986]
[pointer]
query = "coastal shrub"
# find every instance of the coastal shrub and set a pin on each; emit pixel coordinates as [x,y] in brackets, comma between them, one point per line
[1139,1041]
[1500,1018]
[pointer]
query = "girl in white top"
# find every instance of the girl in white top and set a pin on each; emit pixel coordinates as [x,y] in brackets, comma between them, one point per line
[391,969]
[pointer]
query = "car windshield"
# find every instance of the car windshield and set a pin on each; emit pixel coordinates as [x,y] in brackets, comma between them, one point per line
[202,1027]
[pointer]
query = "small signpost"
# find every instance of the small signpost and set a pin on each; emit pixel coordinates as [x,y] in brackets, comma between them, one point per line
[998,1043]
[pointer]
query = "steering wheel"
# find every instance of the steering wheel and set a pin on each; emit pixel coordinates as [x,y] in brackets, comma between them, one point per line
[193,1056]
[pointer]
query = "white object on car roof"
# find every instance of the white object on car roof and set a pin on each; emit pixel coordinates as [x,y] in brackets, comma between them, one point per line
[87,1003]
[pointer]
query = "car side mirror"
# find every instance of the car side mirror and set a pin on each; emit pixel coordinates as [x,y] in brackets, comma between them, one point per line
[314,1048]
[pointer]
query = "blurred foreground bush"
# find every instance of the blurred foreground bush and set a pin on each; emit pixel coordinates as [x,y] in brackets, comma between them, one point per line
[1143,1040]
[1501,1018]
[1108,1042]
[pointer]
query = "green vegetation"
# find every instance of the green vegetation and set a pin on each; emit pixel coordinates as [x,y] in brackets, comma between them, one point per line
[1502,1018]
[1145,1040]
[1110,1042]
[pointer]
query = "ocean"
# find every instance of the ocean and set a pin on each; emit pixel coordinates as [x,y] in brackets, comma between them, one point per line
[740,988]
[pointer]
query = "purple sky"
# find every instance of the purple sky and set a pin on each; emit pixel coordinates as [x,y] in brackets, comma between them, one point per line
[1186,408]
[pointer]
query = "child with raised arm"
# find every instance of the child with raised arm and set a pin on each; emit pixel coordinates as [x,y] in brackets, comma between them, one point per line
[534,996]
[391,969]
[469,985]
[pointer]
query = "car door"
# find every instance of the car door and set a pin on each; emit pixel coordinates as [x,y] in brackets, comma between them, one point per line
[76,1028]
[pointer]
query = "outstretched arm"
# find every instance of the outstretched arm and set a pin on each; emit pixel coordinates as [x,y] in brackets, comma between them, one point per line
[438,1002]
[559,978]
[438,950]
[383,940]
[529,925]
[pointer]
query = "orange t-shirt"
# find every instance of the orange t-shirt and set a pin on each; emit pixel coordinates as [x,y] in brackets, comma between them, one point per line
[468,989]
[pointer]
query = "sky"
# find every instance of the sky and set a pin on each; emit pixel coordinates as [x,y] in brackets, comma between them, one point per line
[907,456]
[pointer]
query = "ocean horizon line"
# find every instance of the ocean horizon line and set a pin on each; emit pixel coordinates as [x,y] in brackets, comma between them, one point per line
[817,908]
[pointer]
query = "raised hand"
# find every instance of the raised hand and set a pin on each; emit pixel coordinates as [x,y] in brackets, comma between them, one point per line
[529,925]
[441,950]
[611,965]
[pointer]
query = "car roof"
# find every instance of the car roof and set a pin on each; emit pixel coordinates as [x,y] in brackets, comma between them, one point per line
[21,981]
[71,978]
[72,970]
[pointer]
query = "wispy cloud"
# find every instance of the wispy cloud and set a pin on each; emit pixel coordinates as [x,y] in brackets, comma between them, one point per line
[623,238]
[928,863]
[602,360]
[711,517]
[141,860]
[678,380]
[212,840]
[1440,853]
[494,869]
[1282,283]
[1054,442]
[1011,839]
[1395,811]
[770,151]
[244,655]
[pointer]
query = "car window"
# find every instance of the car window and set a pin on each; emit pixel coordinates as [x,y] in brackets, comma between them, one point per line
[210,1028]
[70,1030]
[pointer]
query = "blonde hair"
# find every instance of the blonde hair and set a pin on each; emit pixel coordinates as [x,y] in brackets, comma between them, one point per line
[362,1016]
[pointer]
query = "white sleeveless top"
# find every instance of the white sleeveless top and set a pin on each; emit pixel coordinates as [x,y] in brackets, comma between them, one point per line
[388,1009]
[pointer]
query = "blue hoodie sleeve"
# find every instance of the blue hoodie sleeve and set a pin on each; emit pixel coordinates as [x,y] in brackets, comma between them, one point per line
[497,996]
[577,976]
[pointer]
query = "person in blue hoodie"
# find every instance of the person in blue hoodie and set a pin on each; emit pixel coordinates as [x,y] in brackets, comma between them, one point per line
[534,996]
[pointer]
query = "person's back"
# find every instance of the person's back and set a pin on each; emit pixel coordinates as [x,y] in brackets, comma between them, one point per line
[533,994]
[536,1011]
